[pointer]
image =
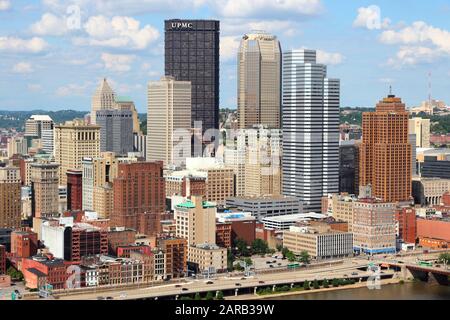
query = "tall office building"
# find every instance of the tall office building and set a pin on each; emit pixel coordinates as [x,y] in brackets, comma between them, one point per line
[385,152]
[35,126]
[169,121]
[421,128]
[125,103]
[75,140]
[116,131]
[259,81]
[74,190]
[192,54]
[310,129]
[44,189]
[47,141]
[349,166]
[103,99]
[10,204]
[139,197]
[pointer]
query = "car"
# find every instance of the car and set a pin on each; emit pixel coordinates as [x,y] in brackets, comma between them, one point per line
[268,262]
[184,289]
[244,278]
[101,298]
[271,266]
[209,282]
[279,263]
[345,275]
[109,298]
[178,286]
[354,273]
[261,282]
[274,261]
[237,284]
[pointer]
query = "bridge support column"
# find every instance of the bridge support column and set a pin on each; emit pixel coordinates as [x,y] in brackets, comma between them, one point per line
[176,297]
[273,288]
[217,294]
[156,298]
[236,292]
[292,285]
[255,290]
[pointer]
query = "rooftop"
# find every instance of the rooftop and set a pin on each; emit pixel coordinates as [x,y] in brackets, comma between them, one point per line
[295,217]
[190,205]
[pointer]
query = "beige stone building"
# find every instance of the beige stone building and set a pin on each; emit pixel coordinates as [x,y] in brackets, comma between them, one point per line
[45,189]
[320,243]
[342,208]
[196,221]
[259,81]
[421,128]
[103,99]
[103,200]
[429,191]
[169,121]
[10,204]
[255,157]
[208,258]
[75,140]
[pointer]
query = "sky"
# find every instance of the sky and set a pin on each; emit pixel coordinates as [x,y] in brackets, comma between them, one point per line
[54,53]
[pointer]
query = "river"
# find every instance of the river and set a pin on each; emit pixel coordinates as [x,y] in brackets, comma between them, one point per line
[406,291]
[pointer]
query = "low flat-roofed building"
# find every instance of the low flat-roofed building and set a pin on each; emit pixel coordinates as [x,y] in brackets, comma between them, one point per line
[320,244]
[284,222]
[208,258]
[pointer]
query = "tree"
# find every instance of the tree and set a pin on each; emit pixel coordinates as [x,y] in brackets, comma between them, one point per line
[230,260]
[316,284]
[197,296]
[305,257]
[260,246]
[284,252]
[248,262]
[279,247]
[209,296]
[241,246]
[290,256]
[14,274]
[219,295]
[444,258]
[325,283]
[335,282]
[306,285]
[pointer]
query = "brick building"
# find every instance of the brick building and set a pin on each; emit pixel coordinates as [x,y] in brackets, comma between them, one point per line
[407,228]
[176,252]
[40,270]
[139,189]
[223,235]
[74,190]
[2,259]
[24,244]
[125,251]
[433,233]
[120,237]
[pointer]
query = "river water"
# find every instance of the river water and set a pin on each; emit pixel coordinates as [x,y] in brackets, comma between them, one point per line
[406,291]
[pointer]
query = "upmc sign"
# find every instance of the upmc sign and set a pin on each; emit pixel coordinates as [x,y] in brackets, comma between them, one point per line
[182,25]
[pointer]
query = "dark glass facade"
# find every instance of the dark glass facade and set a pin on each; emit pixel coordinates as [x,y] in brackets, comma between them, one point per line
[192,54]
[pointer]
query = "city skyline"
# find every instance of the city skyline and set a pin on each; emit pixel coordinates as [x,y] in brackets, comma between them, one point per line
[125,43]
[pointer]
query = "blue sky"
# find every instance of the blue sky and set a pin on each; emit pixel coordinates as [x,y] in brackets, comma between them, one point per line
[50,59]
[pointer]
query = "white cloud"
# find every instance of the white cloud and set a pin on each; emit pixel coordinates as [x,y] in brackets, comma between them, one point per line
[420,43]
[266,8]
[370,18]
[73,89]
[18,45]
[117,62]
[117,32]
[229,47]
[329,58]
[5,5]
[34,87]
[50,25]
[22,67]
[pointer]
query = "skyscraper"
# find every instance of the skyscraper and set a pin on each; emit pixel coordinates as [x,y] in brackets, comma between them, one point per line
[421,128]
[259,81]
[37,124]
[103,99]
[75,140]
[169,121]
[310,129]
[10,205]
[44,189]
[385,153]
[116,131]
[139,197]
[192,54]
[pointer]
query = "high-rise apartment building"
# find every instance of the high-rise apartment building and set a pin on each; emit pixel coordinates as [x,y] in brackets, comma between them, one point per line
[103,99]
[75,140]
[116,131]
[10,205]
[374,228]
[169,121]
[139,196]
[44,189]
[259,81]
[192,54]
[310,129]
[385,152]
[421,128]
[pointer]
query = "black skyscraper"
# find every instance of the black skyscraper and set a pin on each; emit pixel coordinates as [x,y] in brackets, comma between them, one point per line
[192,54]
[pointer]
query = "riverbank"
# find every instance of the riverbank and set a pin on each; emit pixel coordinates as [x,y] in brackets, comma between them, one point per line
[311,291]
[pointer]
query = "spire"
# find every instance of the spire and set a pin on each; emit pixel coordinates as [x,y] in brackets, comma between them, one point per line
[390,92]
